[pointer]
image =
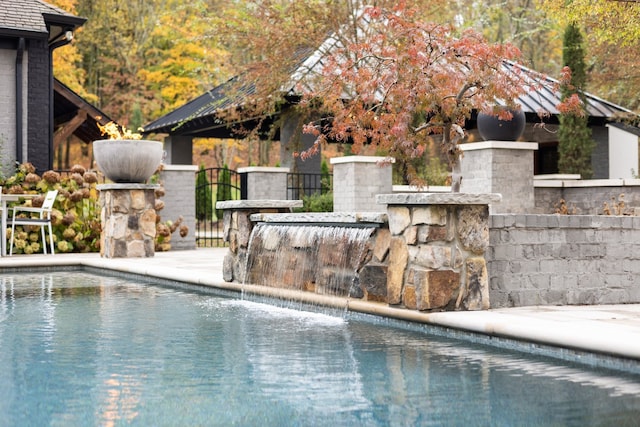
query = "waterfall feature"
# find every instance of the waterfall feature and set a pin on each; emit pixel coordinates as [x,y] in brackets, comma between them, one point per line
[325,259]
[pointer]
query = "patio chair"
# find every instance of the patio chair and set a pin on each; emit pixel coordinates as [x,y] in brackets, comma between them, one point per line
[43,219]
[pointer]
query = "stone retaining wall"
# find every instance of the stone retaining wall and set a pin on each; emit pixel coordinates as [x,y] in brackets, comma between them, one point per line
[563,260]
[437,249]
[431,256]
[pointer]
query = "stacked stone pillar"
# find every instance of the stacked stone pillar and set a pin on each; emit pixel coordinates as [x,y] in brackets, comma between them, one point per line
[437,250]
[128,219]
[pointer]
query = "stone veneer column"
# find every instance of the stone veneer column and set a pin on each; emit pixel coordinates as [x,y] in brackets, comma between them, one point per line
[503,167]
[357,180]
[237,227]
[128,219]
[437,250]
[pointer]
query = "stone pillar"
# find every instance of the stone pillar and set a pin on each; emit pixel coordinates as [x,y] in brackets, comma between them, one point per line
[178,150]
[265,183]
[502,167]
[437,250]
[128,219]
[357,180]
[179,182]
[237,227]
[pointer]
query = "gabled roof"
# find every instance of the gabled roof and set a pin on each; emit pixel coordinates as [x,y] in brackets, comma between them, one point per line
[29,19]
[546,97]
[73,112]
[198,118]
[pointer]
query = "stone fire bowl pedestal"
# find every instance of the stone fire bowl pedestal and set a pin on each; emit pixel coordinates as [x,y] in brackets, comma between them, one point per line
[128,220]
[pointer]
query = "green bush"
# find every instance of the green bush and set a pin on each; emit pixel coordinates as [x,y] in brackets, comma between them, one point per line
[317,203]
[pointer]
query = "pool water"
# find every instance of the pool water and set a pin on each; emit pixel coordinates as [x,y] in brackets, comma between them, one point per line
[78,349]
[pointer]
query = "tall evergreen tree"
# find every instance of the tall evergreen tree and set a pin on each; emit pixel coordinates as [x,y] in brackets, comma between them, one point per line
[223,191]
[574,135]
[204,196]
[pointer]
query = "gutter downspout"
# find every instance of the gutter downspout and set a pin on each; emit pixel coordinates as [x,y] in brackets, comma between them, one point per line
[19,96]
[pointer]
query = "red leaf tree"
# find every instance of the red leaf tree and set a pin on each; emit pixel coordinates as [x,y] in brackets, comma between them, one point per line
[395,82]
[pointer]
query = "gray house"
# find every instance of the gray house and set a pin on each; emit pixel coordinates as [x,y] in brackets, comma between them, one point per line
[30,30]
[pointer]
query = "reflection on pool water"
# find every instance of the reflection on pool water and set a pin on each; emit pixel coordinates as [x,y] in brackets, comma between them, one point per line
[82,349]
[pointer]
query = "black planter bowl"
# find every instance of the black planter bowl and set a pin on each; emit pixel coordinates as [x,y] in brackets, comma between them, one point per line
[491,128]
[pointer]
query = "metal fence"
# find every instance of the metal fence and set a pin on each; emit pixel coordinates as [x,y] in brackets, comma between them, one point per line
[212,185]
[307,184]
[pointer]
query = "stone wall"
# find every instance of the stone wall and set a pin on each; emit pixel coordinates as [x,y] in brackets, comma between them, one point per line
[128,220]
[237,228]
[563,259]
[436,255]
[431,256]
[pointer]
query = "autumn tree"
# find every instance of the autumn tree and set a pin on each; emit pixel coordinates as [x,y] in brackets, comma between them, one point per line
[402,80]
[575,141]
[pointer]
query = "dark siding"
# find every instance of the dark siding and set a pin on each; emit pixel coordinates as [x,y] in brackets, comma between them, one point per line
[600,154]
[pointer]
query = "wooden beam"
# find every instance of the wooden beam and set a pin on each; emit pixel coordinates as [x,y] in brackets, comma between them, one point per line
[68,128]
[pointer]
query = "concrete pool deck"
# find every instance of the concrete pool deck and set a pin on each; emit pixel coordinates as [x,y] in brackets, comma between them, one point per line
[606,330]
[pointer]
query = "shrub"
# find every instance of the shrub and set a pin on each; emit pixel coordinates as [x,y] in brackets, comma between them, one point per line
[223,191]
[76,211]
[75,215]
[317,203]
[204,208]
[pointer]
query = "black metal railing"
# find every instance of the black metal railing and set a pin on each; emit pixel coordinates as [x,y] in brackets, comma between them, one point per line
[307,184]
[213,185]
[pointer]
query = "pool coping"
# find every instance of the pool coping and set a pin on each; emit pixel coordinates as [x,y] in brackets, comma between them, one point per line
[600,336]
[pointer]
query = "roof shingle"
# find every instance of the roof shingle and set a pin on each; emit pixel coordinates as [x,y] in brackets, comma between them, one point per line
[27,16]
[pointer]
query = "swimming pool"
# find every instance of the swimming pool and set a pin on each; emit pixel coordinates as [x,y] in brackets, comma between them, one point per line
[82,349]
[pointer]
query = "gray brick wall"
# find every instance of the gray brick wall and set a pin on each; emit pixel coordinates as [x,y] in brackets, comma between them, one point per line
[563,259]
[356,182]
[179,183]
[7,110]
[582,199]
[38,106]
[266,183]
[510,173]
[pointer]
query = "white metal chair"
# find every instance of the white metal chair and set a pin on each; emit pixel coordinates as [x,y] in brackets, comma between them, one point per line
[43,219]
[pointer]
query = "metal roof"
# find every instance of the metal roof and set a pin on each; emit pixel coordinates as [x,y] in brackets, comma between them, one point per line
[198,117]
